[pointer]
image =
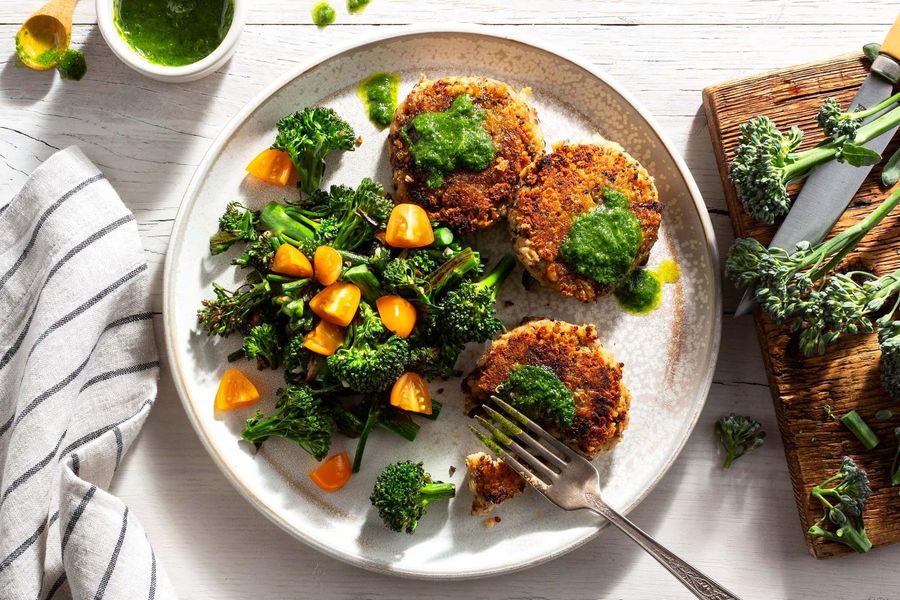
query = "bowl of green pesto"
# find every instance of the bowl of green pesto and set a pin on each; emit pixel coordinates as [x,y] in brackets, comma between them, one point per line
[172,40]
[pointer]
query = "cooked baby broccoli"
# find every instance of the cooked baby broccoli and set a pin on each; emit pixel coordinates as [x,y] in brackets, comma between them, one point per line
[232,311]
[843,497]
[300,416]
[794,286]
[766,160]
[308,136]
[434,362]
[236,224]
[403,491]
[468,313]
[367,362]
[262,344]
[289,224]
[259,253]
[836,123]
[738,435]
[540,394]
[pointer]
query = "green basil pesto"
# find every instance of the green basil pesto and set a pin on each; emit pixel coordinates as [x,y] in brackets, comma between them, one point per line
[356,6]
[603,242]
[442,142]
[174,33]
[323,14]
[540,394]
[72,65]
[641,292]
[378,92]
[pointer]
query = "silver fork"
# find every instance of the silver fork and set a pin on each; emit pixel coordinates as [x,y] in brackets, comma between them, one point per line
[571,482]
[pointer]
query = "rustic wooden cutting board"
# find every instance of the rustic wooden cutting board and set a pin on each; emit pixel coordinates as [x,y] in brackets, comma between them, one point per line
[846,377]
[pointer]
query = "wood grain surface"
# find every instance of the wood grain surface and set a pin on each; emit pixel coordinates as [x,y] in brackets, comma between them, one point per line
[740,525]
[846,377]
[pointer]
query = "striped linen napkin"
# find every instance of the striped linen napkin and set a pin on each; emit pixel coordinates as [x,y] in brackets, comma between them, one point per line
[78,371]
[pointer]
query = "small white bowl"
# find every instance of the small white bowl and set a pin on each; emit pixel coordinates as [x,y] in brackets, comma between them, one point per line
[198,70]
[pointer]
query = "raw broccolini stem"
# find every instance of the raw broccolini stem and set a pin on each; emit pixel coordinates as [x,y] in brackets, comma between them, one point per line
[874,110]
[873,129]
[858,427]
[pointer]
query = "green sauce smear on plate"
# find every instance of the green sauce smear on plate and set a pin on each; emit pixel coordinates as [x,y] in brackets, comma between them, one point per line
[641,292]
[174,33]
[378,92]
[442,142]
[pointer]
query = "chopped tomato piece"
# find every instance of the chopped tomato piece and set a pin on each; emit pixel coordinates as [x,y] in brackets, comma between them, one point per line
[290,261]
[410,392]
[398,314]
[328,264]
[235,391]
[409,227]
[337,303]
[325,338]
[272,166]
[332,474]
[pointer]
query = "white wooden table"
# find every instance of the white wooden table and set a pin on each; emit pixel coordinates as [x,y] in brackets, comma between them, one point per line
[741,526]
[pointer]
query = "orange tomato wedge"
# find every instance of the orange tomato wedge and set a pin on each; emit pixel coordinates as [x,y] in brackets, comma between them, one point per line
[325,338]
[235,391]
[411,393]
[290,261]
[272,166]
[398,314]
[328,264]
[332,474]
[409,227]
[337,303]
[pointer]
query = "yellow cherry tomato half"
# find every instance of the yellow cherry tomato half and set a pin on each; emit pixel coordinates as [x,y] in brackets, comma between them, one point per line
[337,303]
[410,392]
[235,391]
[333,474]
[409,227]
[290,261]
[398,314]
[328,264]
[325,338]
[272,166]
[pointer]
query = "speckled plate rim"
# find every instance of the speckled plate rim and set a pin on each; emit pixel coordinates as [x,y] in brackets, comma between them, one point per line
[200,174]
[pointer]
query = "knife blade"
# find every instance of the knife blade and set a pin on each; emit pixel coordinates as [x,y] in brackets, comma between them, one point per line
[827,192]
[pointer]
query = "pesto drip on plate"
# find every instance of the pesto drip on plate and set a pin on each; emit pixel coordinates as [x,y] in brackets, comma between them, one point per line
[174,33]
[641,292]
[378,92]
[603,242]
[442,142]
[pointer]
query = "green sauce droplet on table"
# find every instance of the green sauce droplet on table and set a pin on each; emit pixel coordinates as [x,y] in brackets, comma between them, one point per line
[378,92]
[72,65]
[355,6]
[442,142]
[641,292]
[603,242]
[323,14]
[174,33]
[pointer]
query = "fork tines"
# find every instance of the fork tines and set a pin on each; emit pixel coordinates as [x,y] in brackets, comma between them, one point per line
[506,436]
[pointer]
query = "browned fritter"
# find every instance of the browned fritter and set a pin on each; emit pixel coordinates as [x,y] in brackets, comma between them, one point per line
[468,200]
[565,184]
[491,482]
[575,355]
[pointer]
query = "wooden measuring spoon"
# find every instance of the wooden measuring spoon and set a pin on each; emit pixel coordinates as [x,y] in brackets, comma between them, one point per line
[45,36]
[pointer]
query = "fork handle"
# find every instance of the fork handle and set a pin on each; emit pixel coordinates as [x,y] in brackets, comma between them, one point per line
[698,583]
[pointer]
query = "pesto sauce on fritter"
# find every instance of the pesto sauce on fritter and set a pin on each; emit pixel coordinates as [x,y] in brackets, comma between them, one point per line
[442,142]
[603,242]
[378,92]
[540,394]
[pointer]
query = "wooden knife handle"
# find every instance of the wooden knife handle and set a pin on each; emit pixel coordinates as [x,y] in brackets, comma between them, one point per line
[891,44]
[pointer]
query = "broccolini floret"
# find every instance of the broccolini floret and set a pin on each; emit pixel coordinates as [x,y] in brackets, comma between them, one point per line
[889,344]
[843,497]
[468,313]
[232,311]
[308,136]
[263,344]
[236,224]
[836,123]
[300,416]
[738,435]
[403,491]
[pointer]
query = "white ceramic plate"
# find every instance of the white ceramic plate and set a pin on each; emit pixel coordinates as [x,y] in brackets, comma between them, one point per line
[669,355]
